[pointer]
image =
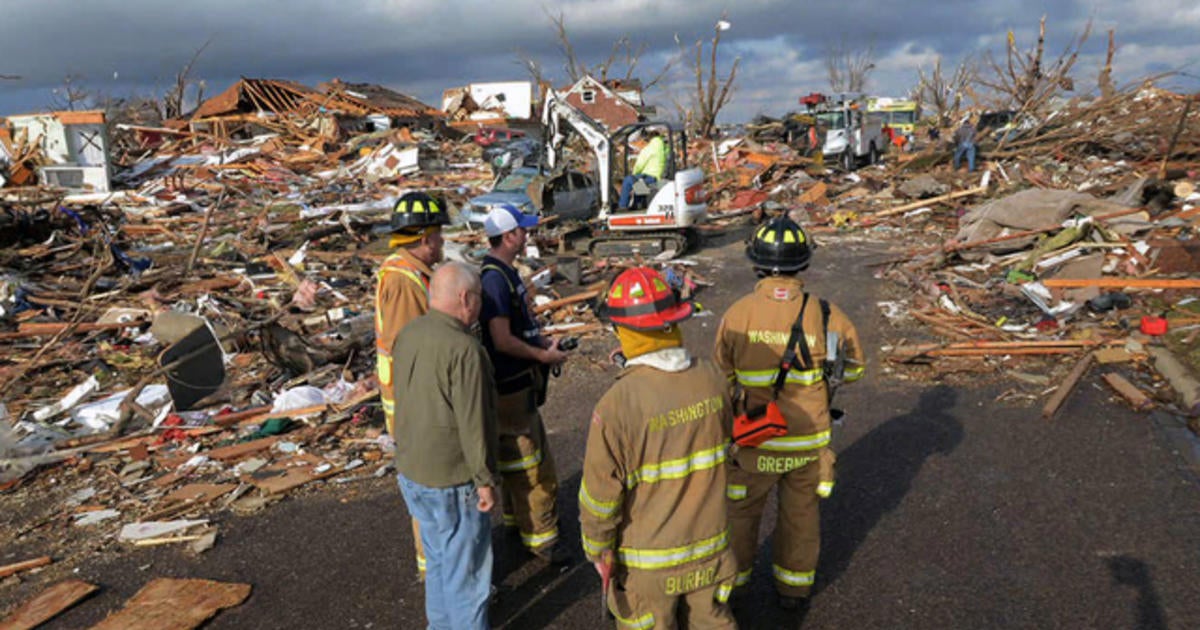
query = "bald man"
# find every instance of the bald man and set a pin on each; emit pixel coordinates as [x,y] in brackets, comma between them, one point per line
[446,447]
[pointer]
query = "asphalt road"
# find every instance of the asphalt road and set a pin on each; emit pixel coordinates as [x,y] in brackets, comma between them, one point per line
[951,511]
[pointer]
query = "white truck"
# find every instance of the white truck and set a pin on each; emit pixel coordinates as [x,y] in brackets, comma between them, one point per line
[852,136]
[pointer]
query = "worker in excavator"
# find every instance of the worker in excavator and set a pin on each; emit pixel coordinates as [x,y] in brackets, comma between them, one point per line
[650,165]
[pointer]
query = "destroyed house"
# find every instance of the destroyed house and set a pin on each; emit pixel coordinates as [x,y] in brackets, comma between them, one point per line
[271,102]
[602,104]
[67,149]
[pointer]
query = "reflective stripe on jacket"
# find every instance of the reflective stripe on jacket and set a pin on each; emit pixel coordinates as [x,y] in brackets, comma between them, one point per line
[654,476]
[751,342]
[401,295]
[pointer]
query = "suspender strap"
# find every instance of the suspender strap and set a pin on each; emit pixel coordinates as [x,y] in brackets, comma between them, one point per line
[789,354]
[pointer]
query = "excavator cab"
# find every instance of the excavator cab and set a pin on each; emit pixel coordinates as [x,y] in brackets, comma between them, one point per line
[628,142]
[662,219]
[662,214]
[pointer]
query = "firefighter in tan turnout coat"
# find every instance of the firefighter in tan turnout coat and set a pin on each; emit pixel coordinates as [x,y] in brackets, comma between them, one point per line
[751,345]
[651,500]
[402,294]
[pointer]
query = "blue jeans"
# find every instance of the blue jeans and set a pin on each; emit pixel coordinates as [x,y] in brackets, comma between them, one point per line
[627,188]
[967,148]
[458,554]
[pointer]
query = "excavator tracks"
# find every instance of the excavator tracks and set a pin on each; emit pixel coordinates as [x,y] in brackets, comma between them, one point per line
[665,244]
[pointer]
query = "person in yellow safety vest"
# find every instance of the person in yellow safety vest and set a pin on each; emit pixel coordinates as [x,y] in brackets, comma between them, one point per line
[750,349]
[651,506]
[402,294]
[650,166]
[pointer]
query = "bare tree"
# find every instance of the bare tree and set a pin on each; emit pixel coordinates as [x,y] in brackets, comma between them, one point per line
[1104,81]
[945,94]
[571,64]
[72,94]
[174,101]
[623,59]
[532,66]
[847,68]
[712,92]
[1025,80]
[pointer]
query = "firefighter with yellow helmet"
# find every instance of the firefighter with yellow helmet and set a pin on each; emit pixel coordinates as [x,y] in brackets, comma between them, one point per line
[785,353]
[402,292]
[651,506]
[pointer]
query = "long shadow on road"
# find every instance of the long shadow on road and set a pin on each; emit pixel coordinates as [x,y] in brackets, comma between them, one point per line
[873,476]
[533,594]
[1132,572]
[877,471]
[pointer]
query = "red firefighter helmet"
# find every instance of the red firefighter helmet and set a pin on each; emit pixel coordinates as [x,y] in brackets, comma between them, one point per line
[642,300]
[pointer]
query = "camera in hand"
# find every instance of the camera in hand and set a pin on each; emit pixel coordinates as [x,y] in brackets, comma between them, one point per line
[566,344]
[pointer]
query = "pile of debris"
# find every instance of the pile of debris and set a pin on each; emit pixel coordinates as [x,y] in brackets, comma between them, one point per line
[200,340]
[1078,238]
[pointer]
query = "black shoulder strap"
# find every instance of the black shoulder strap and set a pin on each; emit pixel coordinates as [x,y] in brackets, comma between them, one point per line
[514,299]
[789,353]
[825,315]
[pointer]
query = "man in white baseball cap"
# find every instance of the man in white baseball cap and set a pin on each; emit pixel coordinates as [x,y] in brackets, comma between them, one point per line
[506,218]
[521,356]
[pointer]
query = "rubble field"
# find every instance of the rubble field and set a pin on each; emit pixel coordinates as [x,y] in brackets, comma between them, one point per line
[199,341]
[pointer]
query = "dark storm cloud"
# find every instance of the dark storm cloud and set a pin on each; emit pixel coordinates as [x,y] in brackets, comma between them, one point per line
[424,47]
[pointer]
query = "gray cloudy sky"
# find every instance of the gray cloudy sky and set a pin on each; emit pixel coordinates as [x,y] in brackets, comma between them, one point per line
[423,47]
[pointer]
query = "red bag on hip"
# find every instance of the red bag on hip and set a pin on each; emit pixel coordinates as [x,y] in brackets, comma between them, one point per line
[759,425]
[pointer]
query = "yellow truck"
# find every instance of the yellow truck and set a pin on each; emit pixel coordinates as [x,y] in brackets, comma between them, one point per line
[898,115]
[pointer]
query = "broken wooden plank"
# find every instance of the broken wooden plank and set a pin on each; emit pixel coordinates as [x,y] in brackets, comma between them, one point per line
[815,195]
[24,565]
[198,493]
[1067,386]
[47,605]
[573,328]
[567,301]
[171,604]
[167,540]
[37,329]
[235,451]
[1123,283]
[290,474]
[1128,391]
[925,202]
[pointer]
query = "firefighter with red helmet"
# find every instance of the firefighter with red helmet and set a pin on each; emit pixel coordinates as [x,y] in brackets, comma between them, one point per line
[785,352]
[402,293]
[651,509]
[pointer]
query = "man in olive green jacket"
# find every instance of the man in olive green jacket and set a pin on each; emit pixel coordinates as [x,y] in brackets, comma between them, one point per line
[446,447]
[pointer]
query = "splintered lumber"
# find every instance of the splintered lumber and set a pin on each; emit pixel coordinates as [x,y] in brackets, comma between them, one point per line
[24,565]
[1123,283]
[987,348]
[170,604]
[37,329]
[47,605]
[1128,391]
[814,195]
[567,301]
[1068,385]
[925,202]
[237,451]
